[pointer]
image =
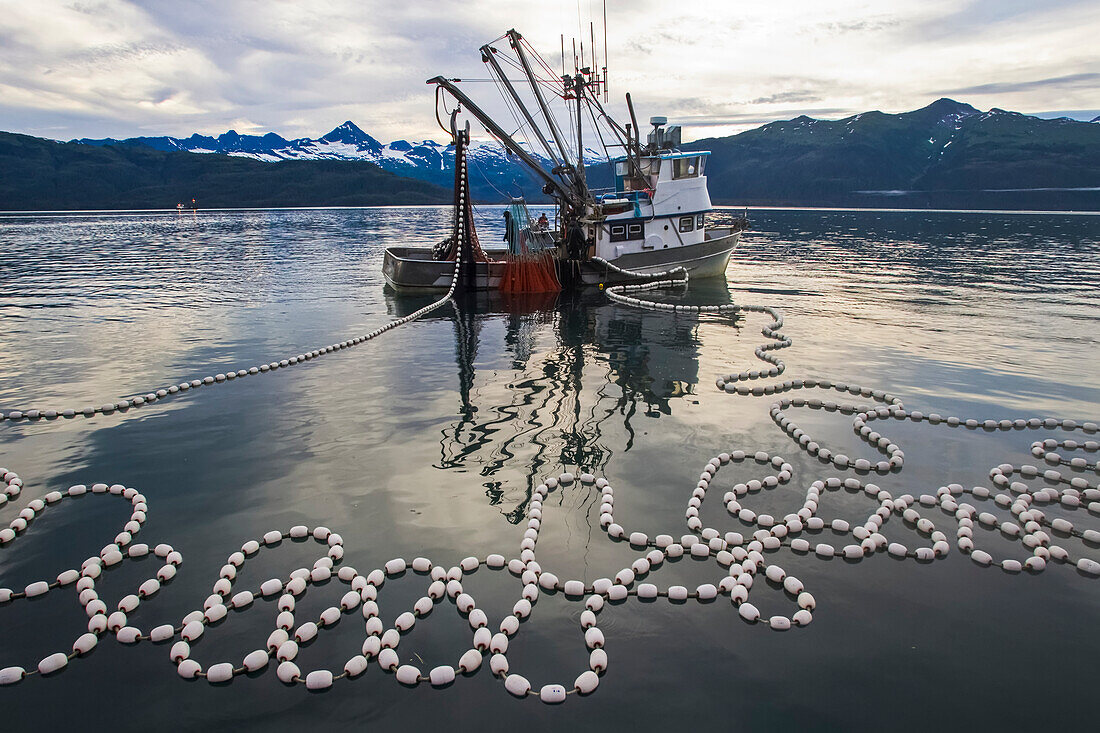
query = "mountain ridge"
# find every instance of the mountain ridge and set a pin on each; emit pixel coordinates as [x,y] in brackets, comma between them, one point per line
[38,174]
[495,173]
[947,154]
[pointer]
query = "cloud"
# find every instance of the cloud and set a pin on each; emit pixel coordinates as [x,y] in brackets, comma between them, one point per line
[759,119]
[107,55]
[1088,80]
[856,26]
[988,17]
[799,95]
[121,68]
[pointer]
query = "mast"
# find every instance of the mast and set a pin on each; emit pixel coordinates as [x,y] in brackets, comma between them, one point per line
[595,58]
[605,90]
[578,89]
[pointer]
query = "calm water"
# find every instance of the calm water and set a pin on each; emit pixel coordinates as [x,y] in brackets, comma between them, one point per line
[428,441]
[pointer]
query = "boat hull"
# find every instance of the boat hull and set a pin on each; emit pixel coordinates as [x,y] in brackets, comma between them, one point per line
[709,258]
[412,269]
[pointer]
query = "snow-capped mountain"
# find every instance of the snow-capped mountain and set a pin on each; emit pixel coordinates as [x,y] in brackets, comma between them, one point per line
[495,173]
[967,156]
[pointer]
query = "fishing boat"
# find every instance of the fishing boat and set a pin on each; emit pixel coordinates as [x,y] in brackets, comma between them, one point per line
[656,216]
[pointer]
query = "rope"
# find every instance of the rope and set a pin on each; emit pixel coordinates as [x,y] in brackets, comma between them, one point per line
[676,277]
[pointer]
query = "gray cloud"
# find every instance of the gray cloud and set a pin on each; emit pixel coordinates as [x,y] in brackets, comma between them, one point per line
[110,54]
[980,17]
[857,26]
[799,95]
[755,118]
[1087,79]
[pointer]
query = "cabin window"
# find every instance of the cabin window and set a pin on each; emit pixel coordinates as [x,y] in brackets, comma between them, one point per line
[627,178]
[649,166]
[687,223]
[626,232]
[700,220]
[685,167]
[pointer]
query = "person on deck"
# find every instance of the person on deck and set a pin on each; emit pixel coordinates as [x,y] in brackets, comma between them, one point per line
[509,230]
[543,222]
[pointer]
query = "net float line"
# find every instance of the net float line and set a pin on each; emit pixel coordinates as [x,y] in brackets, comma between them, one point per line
[739,558]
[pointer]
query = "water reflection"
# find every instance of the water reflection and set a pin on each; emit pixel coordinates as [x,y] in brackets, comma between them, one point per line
[578,363]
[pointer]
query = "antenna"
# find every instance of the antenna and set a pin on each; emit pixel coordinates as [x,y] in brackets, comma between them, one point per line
[592,45]
[605,90]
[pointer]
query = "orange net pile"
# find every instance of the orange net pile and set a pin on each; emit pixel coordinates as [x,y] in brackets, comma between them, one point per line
[531,272]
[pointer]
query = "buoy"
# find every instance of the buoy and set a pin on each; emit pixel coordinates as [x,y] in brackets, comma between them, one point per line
[188,669]
[222,672]
[586,682]
[11,675]
[981,557]
[552,694]
[748,612]
[517,685]
[319,679]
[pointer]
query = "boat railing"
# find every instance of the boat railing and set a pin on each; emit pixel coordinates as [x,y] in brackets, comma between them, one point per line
[634,196]
[628,198]
[535,237]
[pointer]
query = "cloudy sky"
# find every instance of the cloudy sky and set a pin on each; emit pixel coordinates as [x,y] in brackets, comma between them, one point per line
[96,68]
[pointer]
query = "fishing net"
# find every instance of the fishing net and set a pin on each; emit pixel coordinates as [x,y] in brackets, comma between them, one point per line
[529,265]
[447,250]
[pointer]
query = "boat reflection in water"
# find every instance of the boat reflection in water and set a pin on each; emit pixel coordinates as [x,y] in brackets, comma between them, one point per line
[578,371]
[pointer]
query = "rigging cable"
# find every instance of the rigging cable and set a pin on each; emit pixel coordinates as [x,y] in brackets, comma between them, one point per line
[477,165]
[599,134]
[438,99]
[516,116]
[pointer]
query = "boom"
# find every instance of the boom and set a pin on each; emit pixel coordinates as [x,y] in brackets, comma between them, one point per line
[506,139]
